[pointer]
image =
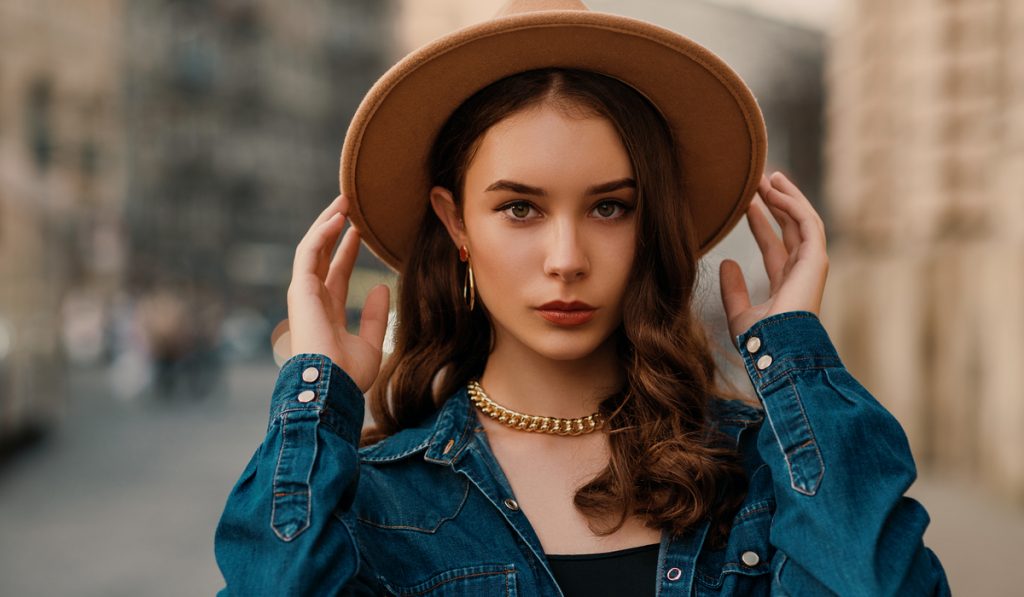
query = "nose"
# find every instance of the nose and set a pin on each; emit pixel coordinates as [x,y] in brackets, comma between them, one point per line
[566,256]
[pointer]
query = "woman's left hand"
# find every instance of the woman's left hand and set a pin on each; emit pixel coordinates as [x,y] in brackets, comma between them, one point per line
[796,264]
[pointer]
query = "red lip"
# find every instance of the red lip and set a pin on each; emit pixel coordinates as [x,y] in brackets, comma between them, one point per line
[564,306]
[567,314]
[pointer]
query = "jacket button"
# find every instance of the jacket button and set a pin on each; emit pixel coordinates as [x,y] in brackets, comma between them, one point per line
[750,558]
[310,374]
[764,362]
[448,446]
[673,573]
[753,344]
[306,396]
[511,504]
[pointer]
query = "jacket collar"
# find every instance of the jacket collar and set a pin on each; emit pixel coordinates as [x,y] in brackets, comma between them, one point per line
[445,434]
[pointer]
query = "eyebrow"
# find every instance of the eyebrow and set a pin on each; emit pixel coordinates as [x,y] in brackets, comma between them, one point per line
[518,187]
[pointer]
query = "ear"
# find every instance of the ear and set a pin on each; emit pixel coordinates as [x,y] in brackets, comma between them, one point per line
[444,206]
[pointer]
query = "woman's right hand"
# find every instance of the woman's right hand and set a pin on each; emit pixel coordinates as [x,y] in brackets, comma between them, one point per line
[317,295]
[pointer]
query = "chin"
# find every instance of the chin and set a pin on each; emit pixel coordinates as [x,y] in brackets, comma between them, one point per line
[566,349]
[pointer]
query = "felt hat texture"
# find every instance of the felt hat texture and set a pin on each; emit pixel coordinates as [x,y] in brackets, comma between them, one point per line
[715,119]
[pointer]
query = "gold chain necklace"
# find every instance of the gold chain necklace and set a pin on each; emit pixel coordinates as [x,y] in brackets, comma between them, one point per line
[525,422]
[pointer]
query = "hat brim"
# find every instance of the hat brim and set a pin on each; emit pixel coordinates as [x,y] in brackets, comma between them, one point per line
[717,124]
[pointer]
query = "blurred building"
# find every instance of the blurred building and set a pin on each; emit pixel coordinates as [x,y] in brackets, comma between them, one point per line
[926,292]
[160,148]
[61,180]
[236,112]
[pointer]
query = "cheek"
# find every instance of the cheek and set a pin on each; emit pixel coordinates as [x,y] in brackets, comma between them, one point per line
[503,262]
[617,250]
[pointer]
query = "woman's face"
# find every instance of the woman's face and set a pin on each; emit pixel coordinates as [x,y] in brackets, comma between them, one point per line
[548,217]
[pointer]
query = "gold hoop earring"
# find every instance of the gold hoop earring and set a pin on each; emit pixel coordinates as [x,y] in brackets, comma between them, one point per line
[469,285]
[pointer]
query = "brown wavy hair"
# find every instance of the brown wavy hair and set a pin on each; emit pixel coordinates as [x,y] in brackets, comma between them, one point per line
[668,466]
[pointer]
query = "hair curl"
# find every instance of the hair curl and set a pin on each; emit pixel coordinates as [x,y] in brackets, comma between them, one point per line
[668,465]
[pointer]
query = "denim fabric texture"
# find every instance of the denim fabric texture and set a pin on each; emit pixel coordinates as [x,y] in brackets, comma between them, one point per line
[428,511]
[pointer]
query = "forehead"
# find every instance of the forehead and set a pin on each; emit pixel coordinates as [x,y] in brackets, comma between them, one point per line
[545,145]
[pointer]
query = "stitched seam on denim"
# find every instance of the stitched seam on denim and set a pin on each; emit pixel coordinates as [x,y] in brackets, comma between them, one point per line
[370,458]
[766,381]
[753,509]
[775,434]
[404,527]
[280,453]
[743,422]
[715,583]
[730,568]
[813,440]
[273,502]
[505,571]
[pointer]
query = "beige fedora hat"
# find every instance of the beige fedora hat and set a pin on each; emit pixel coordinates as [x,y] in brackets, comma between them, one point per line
[715,120]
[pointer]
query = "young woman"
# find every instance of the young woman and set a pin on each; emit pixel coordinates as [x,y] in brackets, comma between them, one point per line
[550,421]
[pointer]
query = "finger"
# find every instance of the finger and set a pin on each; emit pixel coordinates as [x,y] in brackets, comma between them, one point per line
[735,297]
[373,323]
[784,184]
[775,200]
[312,251]
[338,205]
[773,251]
[337,281]
[804,224]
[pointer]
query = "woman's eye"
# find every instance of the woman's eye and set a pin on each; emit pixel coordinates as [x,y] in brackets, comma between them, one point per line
[610,209]
[518,210]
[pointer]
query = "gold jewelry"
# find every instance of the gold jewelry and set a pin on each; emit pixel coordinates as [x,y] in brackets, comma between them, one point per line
[469,286]
[537,424]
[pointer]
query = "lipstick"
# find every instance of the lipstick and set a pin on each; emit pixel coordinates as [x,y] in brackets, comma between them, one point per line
[567,314]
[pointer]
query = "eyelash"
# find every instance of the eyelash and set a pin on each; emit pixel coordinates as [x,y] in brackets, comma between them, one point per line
[625,209]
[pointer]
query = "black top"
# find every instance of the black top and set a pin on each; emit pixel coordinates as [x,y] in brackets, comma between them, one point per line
[624,572]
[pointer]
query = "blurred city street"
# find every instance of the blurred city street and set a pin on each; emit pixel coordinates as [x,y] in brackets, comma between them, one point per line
[124,496]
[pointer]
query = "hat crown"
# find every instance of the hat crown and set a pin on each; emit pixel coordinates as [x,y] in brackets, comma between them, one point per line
[520,6]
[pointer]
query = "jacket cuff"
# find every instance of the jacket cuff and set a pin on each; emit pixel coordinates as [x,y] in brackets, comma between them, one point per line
[312,382]
[785,342]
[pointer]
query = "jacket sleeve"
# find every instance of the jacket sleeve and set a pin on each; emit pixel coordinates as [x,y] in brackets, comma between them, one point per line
[840,465]
[286,528]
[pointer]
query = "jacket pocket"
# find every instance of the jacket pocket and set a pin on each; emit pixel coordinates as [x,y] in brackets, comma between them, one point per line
[410,497]
[471,581]
[743,566]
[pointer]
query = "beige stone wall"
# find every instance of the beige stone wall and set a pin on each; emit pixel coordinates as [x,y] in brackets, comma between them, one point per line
[924,156]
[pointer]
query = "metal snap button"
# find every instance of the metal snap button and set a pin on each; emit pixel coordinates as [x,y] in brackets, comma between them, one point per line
[750,558]
[511,504]
[448,446]
[306,396]
[673,573]
[753,344]
[310,374]
[764,362]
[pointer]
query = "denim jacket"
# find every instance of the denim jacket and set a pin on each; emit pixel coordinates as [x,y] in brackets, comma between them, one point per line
[428,510]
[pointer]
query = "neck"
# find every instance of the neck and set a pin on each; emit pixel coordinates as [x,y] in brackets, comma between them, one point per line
[522,380]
